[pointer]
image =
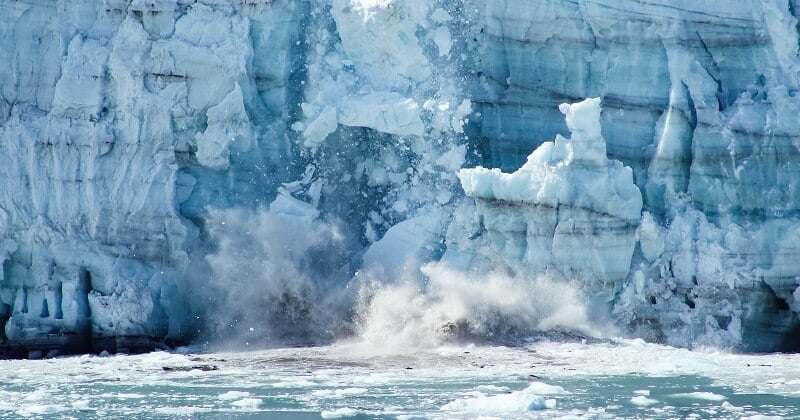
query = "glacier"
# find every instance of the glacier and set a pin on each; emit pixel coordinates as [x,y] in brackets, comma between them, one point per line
[568,208]
[267,170]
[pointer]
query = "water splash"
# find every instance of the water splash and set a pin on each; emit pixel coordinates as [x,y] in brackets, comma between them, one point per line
[453,305]
[274,274]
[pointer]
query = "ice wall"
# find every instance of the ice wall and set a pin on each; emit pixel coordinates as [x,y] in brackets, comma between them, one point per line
[151,150]
[133,131]
[700,100]
[568,208]
[120,123]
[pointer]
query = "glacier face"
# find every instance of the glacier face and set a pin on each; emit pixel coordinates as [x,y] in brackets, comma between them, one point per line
[122,121]
[256,169]
[700,102]
[568,208]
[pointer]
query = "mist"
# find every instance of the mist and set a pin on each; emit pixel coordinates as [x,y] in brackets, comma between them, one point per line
[275,275]
[284,275]
[455,306]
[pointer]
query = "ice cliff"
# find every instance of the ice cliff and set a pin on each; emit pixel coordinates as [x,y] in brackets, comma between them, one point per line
[177,170]
[568,208]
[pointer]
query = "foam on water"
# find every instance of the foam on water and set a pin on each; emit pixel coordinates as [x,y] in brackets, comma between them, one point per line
[294,383]
[340,393]
[181,411]
[339,413]
[613,378]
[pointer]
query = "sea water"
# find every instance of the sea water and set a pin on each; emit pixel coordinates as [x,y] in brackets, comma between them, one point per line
[540,379]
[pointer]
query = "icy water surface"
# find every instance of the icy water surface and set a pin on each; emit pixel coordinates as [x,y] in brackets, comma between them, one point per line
[617,379]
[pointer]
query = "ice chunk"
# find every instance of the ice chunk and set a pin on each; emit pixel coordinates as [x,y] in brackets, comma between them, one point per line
[227,123]
[386,112]
[705,396]
[404,247]
[440,16]
[730,407]
[572,172]
[379,36]
[642,400]
[651,237]
[320,127]
[583,118]
[443,40]
[233,395]
[491,388]
[287,205]
[79,91]
[459,117]
[247,403]
[568,208]
[528,399]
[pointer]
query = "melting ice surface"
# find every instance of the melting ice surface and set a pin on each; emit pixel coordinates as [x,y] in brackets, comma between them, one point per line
[543,379]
